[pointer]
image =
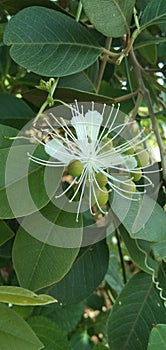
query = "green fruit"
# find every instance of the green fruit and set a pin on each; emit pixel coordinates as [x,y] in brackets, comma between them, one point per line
[101,179]
[142,158]
[137,175]
[107,141]
[130,151]
[128,186]
[75,168]
[102,197]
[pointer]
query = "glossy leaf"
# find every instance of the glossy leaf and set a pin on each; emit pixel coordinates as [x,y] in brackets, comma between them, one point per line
[39,264]
[49,333]
[110,17]
[22,181]
[6,131]
[15,332]
[139,251]
[154,13]
[137,308]
[66,316]
[5,232]
[100,347]
[21,296]
[14,111]
[85,275]
[159,250]
[85,80]
[40,43]
[139,218]
[157,338]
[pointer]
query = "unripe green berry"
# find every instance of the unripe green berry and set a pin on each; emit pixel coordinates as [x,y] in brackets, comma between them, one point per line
[106,141]
[142,158]
[128,186]
[101,179]
[130,151]
[102,197]
[137,175]
[75,168]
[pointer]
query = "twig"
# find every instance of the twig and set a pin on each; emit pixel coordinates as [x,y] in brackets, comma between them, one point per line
[103,65]
[146,95]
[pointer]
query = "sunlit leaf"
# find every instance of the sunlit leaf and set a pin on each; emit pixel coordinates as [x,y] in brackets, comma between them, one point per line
[21,296]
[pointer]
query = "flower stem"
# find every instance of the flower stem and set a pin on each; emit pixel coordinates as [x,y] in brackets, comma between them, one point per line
[146,95]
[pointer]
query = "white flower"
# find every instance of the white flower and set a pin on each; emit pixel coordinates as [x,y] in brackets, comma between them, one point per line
[97,155]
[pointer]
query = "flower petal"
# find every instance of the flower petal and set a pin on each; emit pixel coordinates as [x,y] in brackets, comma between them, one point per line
[78,122]
[93,121]
[57,150]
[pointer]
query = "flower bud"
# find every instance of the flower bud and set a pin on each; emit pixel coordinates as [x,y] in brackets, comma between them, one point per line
[102,197]
[128,186]
[137,175]
[108,144]
[142,158]
[75,168]
[101,179]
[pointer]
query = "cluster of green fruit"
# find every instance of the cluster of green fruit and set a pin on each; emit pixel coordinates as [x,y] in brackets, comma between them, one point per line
[75,169]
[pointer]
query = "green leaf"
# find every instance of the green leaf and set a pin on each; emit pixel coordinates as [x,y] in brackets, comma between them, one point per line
[66,317]
[143,219]
[20,184]
[110,17]
[40,43]
[81,340]
[149,53]
[6,131]
[13,7]
[85,275]
[113,276]
[157,338]
[15,332]
[137,308]
[85,80]
[49,333]
[5,232]
[37,97]
[139,251]
[38,264]
[159,250]
[100,347]
[14,111]
[154,13]
[21,296]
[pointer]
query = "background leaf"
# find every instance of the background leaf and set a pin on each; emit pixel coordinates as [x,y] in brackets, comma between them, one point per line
[20,179]
[38,264]
[85,275]
[154,13]
[49,333]
[133,314]
[14,330]
[14,111]
[5,232]
[39,42]
[110,17]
